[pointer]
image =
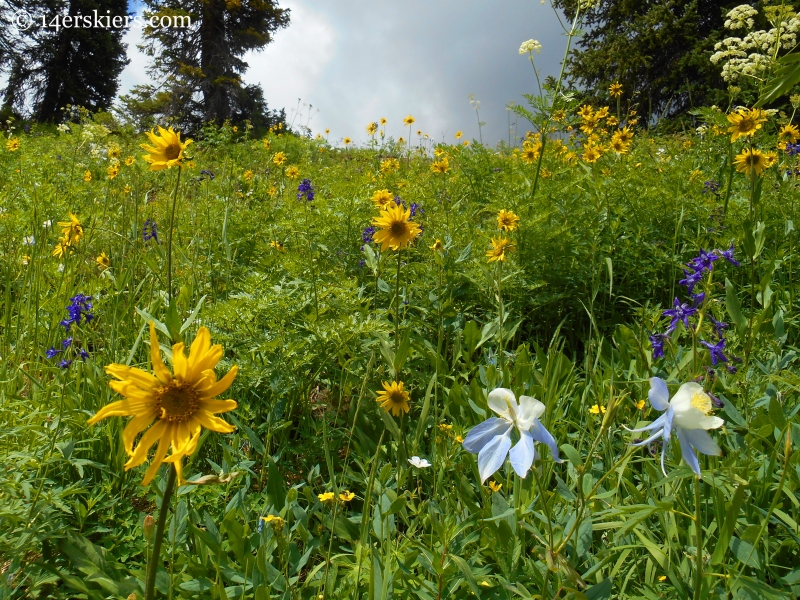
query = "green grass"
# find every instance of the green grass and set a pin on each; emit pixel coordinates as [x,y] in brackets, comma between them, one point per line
[314,331]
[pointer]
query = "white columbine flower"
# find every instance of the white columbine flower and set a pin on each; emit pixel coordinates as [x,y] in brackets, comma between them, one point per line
[688,415]
[491,440]
[420,463]
[530,46]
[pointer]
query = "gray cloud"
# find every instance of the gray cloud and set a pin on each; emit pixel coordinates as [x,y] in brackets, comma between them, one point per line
[356,61]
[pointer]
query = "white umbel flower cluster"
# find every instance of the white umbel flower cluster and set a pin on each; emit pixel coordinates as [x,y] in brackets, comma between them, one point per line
[752,56]
[530,46]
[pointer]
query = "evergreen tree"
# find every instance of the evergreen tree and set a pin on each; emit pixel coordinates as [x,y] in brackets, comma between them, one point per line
[200,66]
[55,65]
[658,49]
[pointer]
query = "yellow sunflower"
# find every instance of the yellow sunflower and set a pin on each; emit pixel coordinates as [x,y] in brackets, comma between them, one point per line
[103,261]
[507,220]
[62,248]
[624,135]
[619,146]
[437,245]
[279,158]
[789,133]
[72,229]
[615,90]
[745,121]
[409,120]
[395,230]
[87,176]
[592,154]
[393,398]
[500,246]
[292,172]
[751,162]
[167,149]
[372,128]
[113,171]
[346,496]
[129,161]
[12,145]
[586,111]
[180,403]
[440,166]
[382,198]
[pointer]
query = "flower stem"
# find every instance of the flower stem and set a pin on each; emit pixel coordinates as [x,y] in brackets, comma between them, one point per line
[152,564]
[169,234]
[397,317]
[698,530]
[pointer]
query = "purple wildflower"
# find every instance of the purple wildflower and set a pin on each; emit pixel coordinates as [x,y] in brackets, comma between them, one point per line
[719,326]
[52,353]
[704,261]
[415,208]
[711,186]
[728,255]
[679,312]
[716,401]
[64,364]
[67,343]
[792,149]
[366,235]
[716,350]
[305,190]
[83,353]
[150,231]
[691,279]
[657,341]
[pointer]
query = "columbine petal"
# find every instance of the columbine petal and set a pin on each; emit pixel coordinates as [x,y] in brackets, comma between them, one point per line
[659,394]
[493,455]
[503,402]
[482,434]
[688,453]
[529,409]
[522,454]
[540,434]
[657,424]
[700,439]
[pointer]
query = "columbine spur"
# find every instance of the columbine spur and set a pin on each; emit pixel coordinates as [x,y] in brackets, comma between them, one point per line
[491,440]
[688,414]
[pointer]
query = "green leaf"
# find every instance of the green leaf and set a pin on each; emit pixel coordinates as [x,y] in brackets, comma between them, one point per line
[601,590]
[734,308]
[776,415]
[423,417]
[785,77]
[471,336]
[572,454]
[745,552]
[726,530]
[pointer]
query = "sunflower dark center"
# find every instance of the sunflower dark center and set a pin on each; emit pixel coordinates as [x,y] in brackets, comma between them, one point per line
[172,151]
[177,402]
[397,398]
[398,228]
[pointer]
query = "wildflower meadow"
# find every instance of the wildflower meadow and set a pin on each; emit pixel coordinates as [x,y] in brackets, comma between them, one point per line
[252,365]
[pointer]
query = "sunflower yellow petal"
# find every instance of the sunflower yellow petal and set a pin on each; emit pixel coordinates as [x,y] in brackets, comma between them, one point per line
[220,386]
[141,378]
[120,408]
[161,452]
[198,349]
[149,438]
[160,371]
[134,427]
[216,407]
[213,423]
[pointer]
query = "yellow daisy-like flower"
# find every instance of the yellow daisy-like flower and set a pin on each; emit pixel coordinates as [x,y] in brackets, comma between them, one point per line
[393,398]
[619,146]
[409,120]
[62,248]
[745,122]
[112,171]
[751,162]
[640,404]
[465,142]
[444,427]
[612,121]
[346,496]
[326,497]
[12,145]
[496,487]
[278,245]
[272,191]
[127,189]
[600,114]
[327,131]
[500,246]
[167,149]
[460,439]
[530,153]
[440,166]
[459,134]
[103,261]
[437,245]
[592,154]
[559,115]
[390,165]
[789,133]
[248,175]
[72,229]
[181,403]
[292,172]
[267,143]
[372,128]
[586,111]
[615,90]
[279,158]
[598,409]
[624,135]
[87,176]
[129,161]
[395,230]
[382,198]
[347,141]
[276,523]
[507,220]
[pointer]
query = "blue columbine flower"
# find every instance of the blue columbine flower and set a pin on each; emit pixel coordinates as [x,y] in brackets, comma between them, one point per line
[305,191]
[688,414]
[716,350]
[491,440]
[679,312]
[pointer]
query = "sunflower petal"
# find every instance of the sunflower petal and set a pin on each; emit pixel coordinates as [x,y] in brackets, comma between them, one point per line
[134,427]
[209,421]
[220,386]
[141,378]
[160,371]
[161,452]
[179,363]
[216,407]
[120,408]
[150,437]
[198,349]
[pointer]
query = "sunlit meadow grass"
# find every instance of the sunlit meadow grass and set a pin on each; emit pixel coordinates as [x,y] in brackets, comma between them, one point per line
[320,492]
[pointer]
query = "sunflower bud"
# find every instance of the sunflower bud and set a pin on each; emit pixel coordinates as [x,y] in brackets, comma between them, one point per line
[149,527]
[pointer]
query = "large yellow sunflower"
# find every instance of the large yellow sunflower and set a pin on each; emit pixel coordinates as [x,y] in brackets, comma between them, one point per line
[393,398]
[395,231]
[180,403]
[507,220]
[745,121]
[752,162]
[167,149]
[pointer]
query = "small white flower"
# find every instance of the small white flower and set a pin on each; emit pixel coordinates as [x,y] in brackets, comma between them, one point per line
[47,224]
[61,268]
[29,240]
[530,46]
[420,463]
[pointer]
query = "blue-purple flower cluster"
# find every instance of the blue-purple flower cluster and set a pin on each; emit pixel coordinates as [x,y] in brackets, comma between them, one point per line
[712,187]
[305,191]
[681,312]
[78,310]
[792,149]
[150,231]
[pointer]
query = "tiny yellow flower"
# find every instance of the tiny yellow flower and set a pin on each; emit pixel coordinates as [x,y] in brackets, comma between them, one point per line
[103,261]
[662,578]
[615,90]
[383,120]
[267,143]
[459,134]
[129,161]
[640,404]
[326,497]
[87,176]
[445,427]
[292,172]
[460,439]
[597,409]
[437,247]
[495,486]
[347,141]
[346,496]
[248,175]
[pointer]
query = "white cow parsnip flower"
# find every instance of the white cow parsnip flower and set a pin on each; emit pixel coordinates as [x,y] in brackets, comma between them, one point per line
[491,440]
[688,414]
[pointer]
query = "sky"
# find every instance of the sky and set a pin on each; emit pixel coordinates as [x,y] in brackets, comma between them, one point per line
[342,64]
